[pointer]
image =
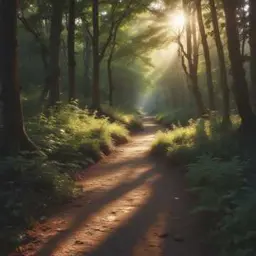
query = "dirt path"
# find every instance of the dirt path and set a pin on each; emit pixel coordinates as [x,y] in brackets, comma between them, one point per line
[132,206]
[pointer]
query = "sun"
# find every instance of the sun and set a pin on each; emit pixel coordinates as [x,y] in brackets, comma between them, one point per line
[177,21]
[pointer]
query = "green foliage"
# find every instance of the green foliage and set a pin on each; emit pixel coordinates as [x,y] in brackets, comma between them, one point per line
[177,117]
[72,139]
[27,188]
[220,165]
[132,121]
[71,134]
[184,144]
[222,188]
[236,230]
[215,181]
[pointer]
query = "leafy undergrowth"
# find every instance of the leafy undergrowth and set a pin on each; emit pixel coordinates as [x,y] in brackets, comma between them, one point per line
[132,121]
[221,174]
[175,117]
[71,140]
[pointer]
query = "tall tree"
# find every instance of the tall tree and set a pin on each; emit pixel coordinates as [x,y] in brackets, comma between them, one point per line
[110,76]
[240,88]
[54,51]
[71,50]
[222,64]
[191,56]
[14,138]
[87,56]
[207,57]
[252,42]
[95,53]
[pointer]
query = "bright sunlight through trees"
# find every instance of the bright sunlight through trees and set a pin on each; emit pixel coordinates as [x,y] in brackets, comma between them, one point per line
[177,21]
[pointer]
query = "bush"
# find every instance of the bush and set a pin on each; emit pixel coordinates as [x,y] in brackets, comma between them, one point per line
[74,134]
[132,121]
[72,139]
[215,181]
[222,188]
[221,174]
[27,189]
[177,117]
[183,145]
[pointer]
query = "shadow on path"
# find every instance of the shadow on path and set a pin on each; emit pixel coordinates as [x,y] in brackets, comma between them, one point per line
[138,207]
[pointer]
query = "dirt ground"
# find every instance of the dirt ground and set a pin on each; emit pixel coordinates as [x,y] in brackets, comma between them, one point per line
[132,205]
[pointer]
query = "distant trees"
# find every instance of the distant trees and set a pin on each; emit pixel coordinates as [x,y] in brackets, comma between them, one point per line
[98,22]
[95,28]
[231,21]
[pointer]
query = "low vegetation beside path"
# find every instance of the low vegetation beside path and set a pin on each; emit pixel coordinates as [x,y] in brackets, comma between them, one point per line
[220,171]
[70,140]
[131,120]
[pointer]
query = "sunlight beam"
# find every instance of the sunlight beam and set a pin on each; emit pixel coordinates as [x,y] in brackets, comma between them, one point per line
[177,21]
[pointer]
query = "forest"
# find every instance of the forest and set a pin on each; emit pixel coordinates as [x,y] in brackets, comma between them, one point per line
[127,127]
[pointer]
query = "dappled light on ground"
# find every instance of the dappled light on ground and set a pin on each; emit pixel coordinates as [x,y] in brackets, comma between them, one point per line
[131,206]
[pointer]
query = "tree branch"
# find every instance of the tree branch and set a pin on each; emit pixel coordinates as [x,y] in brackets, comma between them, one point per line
[115,25]
[37,36]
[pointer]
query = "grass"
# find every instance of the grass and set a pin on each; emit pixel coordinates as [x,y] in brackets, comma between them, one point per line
[71,140]
[177,117]
[183,144]
[132,120]
[220,171]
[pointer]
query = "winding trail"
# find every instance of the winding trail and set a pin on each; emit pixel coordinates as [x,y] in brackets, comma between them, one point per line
[132,206]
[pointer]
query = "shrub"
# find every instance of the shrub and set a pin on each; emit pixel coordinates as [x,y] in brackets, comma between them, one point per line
[222,188]
[184,144]
[215,181]
[175,117]
[27,189]
[220,173]
[132,121]
[71,139]
[72,133]
[236,231]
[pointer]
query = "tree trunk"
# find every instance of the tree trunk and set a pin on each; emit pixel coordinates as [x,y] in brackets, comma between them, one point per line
[222,65]
[110,81]
[240,87]
[71,51]
[207,57]
[54,51]
[87,62]
[96,57]
[194,67]
[14,136]
[252,42]
[192,58]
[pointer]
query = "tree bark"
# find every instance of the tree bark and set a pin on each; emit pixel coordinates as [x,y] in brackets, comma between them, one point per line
[71,51]
[87,61]
[110,80]
[222,64]
[240,88]
[207,57]
[191,55]
[14,136]
[252,42]
[54,52]
[192,33]
[96,57]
